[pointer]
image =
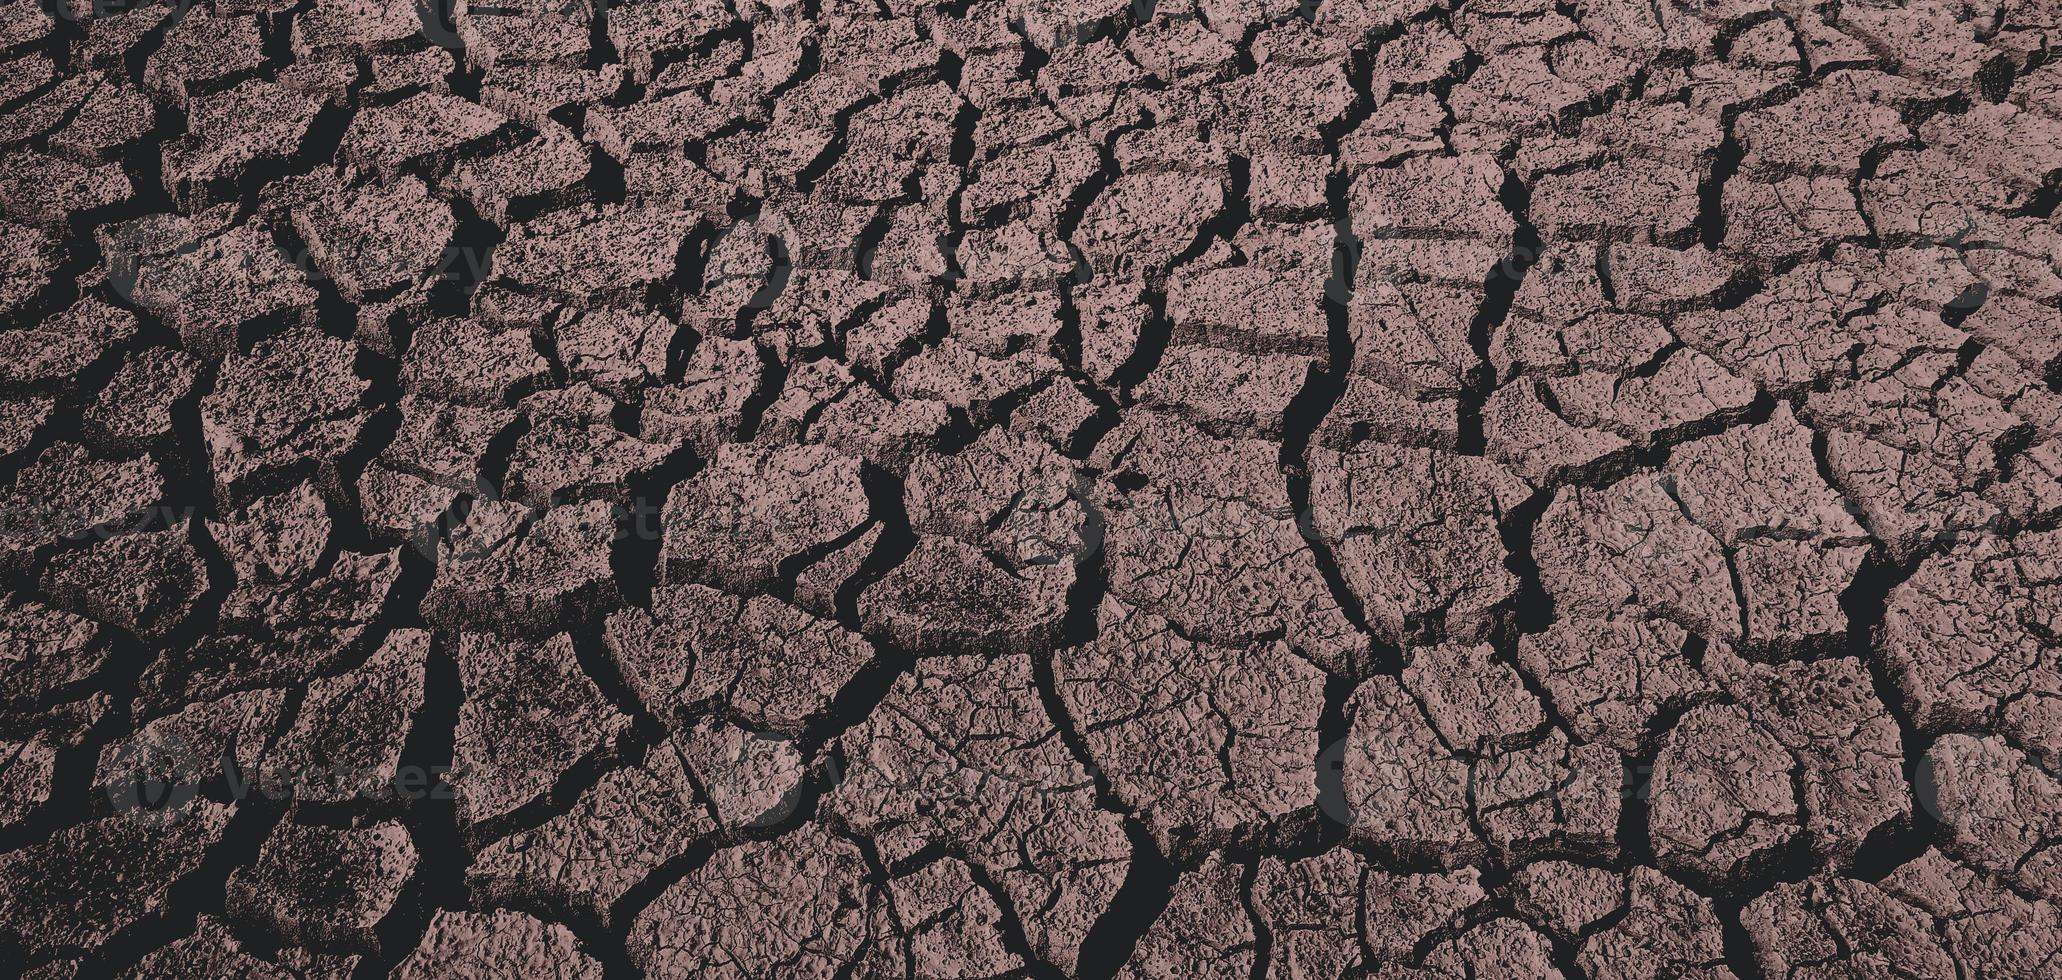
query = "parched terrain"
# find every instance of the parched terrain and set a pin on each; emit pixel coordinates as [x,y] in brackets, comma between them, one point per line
[1179,489]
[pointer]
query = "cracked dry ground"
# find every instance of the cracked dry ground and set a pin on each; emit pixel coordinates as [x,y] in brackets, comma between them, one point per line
[870,488]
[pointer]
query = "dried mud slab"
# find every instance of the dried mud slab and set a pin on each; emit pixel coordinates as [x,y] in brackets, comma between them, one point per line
[1030,488]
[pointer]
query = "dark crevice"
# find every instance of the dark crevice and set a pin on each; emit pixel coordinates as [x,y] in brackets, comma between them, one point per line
[1147,888]
[640,526]
[1499,291]
[1711,218]
[896,541]
[430,815]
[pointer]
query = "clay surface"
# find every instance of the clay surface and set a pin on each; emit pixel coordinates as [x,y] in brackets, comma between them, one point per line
[1161,489]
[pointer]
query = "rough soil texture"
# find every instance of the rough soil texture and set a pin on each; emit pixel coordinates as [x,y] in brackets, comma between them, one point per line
[1031,488]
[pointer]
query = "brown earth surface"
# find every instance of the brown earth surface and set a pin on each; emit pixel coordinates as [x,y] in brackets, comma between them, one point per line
[1031,488]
